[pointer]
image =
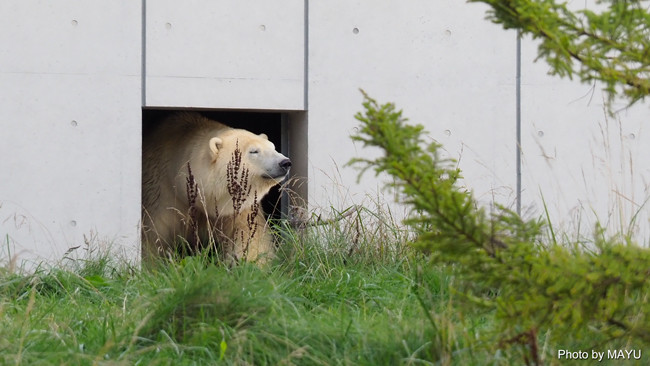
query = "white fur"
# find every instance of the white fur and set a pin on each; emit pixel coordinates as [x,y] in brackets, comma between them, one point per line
[208,146]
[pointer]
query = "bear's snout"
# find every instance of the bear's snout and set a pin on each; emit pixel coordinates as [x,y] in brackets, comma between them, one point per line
[285,164]
[279,171]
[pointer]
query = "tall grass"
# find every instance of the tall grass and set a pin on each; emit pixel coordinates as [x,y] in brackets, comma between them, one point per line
[347,291]
[343,291]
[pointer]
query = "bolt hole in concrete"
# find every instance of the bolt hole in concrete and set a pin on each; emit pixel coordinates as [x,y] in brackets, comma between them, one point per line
[631,136]
[73,123]
[540,133]
[74,23]
[73,223]
[168,25]
[262,27]
[447,132]
[355,30]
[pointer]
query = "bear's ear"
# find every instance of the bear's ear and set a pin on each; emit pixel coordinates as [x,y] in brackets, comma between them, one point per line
[263,135]
[215,144]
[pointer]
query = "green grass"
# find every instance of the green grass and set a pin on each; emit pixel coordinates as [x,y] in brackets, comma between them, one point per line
[339,294]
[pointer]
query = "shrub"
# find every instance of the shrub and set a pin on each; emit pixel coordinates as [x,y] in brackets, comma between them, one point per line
[502,261]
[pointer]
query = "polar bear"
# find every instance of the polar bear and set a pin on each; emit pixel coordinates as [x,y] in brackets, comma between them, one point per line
[202,180]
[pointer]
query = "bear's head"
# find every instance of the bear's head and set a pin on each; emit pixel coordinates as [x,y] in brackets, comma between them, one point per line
[266,167]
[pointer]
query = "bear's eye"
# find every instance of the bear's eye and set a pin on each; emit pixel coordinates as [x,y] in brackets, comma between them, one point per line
[254,151]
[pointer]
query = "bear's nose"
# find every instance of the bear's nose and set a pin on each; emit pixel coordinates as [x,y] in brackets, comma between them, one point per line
[285,164]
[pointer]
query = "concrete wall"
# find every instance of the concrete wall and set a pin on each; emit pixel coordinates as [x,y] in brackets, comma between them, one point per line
[75,75]
[440,62]
[70,121]
[584,164]
[455,73]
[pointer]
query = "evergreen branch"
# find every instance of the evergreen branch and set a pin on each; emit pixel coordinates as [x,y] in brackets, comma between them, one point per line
[611,46]
[599,294]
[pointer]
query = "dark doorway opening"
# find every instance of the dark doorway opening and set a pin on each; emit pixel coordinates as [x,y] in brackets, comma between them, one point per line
[273,124]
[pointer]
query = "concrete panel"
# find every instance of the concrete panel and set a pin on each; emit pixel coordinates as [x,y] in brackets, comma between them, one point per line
[77,37]
[71,126]
[225,54]
[439,61]
[585,164]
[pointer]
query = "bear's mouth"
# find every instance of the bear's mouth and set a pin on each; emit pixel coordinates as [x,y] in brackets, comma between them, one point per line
[277,177]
